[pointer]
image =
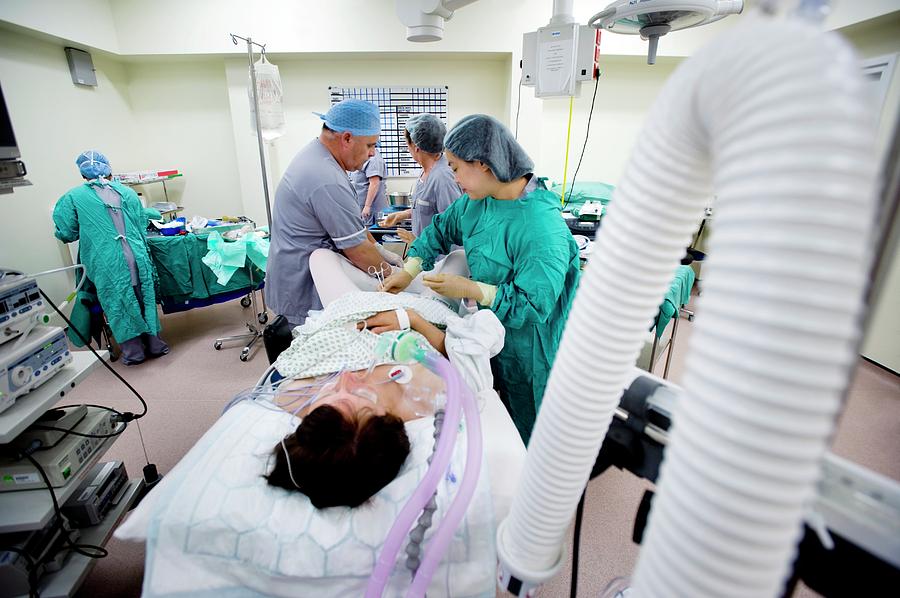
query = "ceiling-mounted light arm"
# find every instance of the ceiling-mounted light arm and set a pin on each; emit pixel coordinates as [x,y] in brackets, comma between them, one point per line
[652,19]
[424,19]
[562,12]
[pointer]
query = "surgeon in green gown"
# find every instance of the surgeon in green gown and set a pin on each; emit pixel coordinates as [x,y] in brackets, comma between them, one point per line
[109,222]
[523,260]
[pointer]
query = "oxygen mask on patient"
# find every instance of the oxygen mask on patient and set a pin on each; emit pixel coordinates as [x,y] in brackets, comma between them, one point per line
[353,385]
[422,393]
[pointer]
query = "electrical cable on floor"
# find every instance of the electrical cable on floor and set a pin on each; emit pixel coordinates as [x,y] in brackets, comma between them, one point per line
[587,132]
[576,545]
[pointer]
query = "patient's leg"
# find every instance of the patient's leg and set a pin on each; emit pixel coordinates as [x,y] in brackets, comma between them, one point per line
[454,263]
[334,276]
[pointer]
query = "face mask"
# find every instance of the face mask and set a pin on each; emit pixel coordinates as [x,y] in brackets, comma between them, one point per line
[99,182]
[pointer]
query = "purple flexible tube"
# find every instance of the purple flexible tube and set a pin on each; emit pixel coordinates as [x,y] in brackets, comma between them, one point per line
[441,540]
[423,493]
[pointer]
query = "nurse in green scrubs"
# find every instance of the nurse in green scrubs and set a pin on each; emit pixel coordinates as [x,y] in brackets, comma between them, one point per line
[109,221]
[523,260]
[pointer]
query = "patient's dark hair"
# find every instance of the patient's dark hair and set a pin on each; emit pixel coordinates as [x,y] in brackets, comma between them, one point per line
[341,462]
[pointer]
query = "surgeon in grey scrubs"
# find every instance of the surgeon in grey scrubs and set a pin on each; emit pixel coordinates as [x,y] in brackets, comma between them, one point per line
[315,208]
[371,191]
[436,188]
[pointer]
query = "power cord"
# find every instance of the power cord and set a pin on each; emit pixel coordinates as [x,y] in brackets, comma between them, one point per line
[126,416]
[151,475]
[587,132]
[150,471]
[88,550]
[576,545]
[31,568]
[67,432]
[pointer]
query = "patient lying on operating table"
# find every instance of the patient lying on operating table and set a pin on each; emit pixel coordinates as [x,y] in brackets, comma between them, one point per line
[351,441]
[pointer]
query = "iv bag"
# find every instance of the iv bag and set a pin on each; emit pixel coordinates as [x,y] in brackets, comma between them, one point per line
[269,96]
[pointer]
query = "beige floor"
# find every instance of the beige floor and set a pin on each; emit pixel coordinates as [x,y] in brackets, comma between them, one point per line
[187,389]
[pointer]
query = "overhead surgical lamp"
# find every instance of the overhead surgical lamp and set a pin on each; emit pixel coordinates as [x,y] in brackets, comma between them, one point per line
[651,19]
[424,19]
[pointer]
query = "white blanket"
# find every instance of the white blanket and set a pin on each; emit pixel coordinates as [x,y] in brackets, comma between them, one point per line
[214,527]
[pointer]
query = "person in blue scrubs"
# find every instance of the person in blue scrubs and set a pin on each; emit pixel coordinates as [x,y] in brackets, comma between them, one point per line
[436,188]
[316,208]
[370,187]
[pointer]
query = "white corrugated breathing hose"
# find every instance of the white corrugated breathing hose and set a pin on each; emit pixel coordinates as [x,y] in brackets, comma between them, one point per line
[775,119]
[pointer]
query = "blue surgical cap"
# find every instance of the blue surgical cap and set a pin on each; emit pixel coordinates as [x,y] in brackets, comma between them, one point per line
[427,131]
[93,164]
[484,138]
[353,116]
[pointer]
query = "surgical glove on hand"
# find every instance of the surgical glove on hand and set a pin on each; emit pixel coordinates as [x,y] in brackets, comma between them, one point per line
[407,236]
[453,286]
[397,281]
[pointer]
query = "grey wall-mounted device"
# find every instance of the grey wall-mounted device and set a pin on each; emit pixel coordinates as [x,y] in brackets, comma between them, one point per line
[81,66]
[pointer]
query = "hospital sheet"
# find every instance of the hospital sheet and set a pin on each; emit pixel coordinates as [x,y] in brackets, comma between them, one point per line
[213,525]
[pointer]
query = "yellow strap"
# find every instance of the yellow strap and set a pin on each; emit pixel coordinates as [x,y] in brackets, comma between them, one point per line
[562,199]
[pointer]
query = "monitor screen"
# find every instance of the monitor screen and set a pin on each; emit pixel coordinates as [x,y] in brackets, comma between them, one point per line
[8,148]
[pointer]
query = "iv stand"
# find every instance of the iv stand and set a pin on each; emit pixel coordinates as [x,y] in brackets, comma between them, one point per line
[255,332]
[259,139]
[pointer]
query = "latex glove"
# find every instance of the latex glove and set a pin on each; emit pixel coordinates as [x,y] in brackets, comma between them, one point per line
[453,286]
[397,282]
[407,236]
[366,212]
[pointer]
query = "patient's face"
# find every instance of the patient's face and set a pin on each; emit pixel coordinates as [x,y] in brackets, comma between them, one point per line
[354,394]
[358,394]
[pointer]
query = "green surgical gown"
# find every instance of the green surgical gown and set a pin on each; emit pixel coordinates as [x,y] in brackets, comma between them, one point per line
[80,215]
[524,248]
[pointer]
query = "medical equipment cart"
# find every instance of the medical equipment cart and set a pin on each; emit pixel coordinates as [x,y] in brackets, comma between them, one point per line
[26,510]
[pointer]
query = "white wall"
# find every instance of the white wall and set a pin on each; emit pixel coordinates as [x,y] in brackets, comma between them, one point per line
[477,83]
[55,120]
[850,12]
[141,115]
[86,22]
[627,89]
[181,114]
[882,340]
